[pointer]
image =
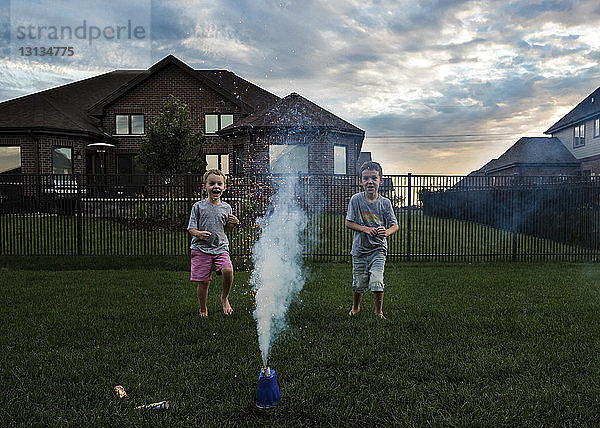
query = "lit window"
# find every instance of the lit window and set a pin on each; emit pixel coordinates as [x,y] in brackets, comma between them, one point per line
[220,162]
[10,159]
[129,124]
[137,124]
[597,127]
[122,124]
[211,122]
[339,160]
[288,158]
[226,120]
[62,160]
[215,122]
[579,136]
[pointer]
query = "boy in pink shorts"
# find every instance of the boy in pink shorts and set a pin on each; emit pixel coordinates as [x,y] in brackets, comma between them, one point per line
[210,220]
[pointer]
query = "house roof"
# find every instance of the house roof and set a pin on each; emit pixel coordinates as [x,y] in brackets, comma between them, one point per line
[62,108]
[241,89]
[240,92]
[585,110]
[531,151]
[294,111]
[70,109]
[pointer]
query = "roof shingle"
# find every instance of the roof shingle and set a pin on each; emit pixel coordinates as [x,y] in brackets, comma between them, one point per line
[586,109]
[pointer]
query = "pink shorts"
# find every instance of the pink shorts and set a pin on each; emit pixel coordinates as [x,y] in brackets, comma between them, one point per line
[202,265]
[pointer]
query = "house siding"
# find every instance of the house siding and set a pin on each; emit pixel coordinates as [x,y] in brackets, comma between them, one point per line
[592,145]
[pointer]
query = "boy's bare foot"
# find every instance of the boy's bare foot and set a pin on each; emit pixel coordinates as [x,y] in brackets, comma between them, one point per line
[353,312]
[227,309]
[381,316]
[203,314]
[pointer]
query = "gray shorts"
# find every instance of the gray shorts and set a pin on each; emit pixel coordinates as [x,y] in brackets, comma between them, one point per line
[367,272]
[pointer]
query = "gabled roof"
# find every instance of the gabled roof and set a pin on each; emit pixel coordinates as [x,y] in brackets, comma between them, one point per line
[531,151]
[225,83]
[294,111]
[585,110]
[66,109]
[241,89]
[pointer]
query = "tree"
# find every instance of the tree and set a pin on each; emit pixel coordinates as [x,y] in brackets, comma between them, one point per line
[170,145]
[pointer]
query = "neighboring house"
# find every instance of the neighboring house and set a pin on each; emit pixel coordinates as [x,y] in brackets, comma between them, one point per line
[96,125]
[579,131]
[533,156]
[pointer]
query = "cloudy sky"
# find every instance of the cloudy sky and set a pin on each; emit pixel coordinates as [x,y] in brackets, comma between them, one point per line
[439,86]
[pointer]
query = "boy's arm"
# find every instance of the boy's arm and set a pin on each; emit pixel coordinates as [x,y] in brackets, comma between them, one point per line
[357,227]
[232,221]
[200,234]
[391,230]
[390,219]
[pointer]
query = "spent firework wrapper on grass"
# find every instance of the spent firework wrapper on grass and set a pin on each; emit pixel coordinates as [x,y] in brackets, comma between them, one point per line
[161,405]
[268,390]
[120,391]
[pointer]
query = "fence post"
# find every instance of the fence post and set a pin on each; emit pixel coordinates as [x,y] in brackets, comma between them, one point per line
[78,206]
[409,218]
[513,199]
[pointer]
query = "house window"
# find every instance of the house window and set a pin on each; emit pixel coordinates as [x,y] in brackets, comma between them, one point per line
[239,160]
[215,122]
[579,136]
[129,124]
[597,127]
[62,160]
[340,160]
[220,162]
[10,160]
[288,158]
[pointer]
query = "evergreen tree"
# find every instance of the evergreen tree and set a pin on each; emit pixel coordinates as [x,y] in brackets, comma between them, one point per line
[170,145]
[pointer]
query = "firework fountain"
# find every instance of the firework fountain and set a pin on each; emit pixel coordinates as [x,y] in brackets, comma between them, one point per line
[277,275]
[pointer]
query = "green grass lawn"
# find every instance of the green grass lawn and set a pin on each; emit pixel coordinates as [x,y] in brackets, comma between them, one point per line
[469,345]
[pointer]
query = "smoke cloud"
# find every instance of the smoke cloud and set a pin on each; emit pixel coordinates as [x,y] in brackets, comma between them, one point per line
[277,257]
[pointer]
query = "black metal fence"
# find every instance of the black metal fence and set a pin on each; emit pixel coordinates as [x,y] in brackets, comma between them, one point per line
[445,218]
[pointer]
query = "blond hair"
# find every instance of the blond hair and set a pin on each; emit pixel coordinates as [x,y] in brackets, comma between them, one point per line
[214,172]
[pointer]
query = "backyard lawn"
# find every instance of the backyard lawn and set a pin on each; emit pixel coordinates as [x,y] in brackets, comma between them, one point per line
[509,344]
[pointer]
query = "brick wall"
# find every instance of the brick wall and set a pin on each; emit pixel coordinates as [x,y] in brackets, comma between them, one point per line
[150,97]
[36,151]
[320,150]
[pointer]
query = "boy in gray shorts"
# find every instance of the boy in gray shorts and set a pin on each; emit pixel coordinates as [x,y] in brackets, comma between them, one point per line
[369,214]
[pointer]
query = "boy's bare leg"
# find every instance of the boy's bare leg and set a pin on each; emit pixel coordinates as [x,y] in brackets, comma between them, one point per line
[378,300]
[356,303]
[227,282]
[202,293]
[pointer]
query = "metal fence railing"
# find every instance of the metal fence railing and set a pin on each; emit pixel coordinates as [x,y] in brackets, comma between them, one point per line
[445,218]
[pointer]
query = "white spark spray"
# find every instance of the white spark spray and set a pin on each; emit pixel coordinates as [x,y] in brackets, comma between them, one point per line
[277,258]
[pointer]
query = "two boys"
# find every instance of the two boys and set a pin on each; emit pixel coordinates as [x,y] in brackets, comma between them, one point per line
[368,215]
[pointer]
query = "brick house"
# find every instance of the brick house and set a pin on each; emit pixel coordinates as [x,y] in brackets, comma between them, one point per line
[579,132]
[532,156]
[573,147]
[96,125]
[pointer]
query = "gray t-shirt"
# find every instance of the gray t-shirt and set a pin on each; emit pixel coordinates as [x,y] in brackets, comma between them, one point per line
[213,218]
[371,214]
